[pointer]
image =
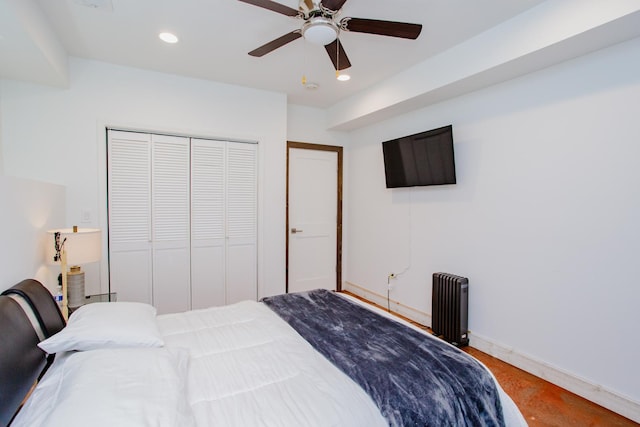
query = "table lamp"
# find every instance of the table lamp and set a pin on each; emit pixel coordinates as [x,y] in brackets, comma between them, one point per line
[73,246]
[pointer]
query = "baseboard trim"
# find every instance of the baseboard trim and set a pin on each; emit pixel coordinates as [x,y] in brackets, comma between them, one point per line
[396,306]
[609,399]
[600,395]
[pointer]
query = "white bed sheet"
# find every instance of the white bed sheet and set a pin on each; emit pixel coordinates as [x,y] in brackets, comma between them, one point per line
[248,367]
[126,387]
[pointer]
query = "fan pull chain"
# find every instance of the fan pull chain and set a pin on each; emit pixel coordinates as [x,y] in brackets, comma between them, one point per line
[304,62]
[337,58]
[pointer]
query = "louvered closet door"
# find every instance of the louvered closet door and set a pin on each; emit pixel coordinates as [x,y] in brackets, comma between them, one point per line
[242,215]
[208,201]
[223,222]
[129,181]
[182,220]
[170,223]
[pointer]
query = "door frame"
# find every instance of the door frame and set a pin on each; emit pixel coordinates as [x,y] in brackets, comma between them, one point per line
[319,147]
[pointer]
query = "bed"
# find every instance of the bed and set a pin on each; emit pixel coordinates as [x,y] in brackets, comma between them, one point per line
[310,359]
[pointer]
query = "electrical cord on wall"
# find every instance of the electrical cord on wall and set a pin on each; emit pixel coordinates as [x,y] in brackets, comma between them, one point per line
[410,222]
[408,266]
[388,291]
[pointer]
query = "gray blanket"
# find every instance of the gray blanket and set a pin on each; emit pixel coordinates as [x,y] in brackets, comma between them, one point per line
[414,380]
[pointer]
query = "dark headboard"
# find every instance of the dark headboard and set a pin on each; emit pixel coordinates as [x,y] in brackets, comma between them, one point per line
[28,314]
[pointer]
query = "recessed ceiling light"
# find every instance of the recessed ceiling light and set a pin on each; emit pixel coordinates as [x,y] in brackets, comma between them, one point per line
[168,37]
[343,77]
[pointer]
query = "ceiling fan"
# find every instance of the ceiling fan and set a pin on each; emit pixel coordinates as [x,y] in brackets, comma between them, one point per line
[322,26]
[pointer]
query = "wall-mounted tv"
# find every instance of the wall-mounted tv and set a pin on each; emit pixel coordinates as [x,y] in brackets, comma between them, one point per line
[425,158]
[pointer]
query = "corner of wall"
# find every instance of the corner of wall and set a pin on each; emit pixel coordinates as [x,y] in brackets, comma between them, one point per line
[1,158]
[30,208]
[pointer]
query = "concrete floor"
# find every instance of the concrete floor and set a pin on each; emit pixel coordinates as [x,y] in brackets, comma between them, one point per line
[545,404]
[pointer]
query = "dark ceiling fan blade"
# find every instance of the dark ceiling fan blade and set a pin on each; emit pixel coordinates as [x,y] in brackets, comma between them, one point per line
[274,44]
[274,6]
[343,60]
[383,28]
[333,4]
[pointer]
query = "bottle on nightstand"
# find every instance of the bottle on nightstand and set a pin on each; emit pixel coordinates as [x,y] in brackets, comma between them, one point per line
[58,296]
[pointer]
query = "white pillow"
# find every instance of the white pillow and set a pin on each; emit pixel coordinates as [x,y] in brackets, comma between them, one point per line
[119,387]
[107,325]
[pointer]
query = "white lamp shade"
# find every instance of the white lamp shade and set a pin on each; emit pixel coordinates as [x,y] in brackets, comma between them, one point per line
[82,247]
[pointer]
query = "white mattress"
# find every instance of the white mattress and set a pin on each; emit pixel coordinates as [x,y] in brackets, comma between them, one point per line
[246,367]
[249,368]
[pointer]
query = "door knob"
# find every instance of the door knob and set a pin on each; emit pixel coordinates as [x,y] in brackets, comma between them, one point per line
[295,230]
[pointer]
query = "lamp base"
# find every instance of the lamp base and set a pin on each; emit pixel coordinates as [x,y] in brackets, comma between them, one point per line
[75,287]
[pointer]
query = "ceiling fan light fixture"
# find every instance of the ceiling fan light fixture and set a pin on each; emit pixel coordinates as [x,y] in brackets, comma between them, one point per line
[320,30]
[343,77]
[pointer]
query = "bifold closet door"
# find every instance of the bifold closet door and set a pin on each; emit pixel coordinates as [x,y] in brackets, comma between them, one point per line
[170,188]
[223,222]
[182,220]
[129,196]
[208,200]
[242,222]
[148,179]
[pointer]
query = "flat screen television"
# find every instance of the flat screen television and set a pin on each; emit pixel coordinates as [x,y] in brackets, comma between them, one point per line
[425,158]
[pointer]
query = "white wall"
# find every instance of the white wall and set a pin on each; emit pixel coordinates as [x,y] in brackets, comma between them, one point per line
[307,124]
[1,159]
[544,219]
[29,209]
[58,136]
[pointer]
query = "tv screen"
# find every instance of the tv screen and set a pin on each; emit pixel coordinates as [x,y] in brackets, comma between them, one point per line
[422,159]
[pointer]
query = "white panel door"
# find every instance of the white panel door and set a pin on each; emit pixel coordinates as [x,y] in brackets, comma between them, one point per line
[242,220]
[208,195]
[313,176]
[170,188]
[129,181]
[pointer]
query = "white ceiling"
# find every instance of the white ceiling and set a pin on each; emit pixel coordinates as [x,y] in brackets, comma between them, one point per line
[215,36]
